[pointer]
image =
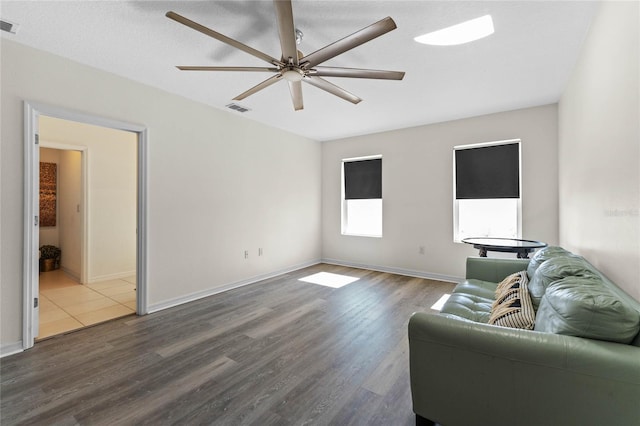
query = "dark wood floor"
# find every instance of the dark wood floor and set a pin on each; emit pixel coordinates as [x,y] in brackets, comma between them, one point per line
[280,352]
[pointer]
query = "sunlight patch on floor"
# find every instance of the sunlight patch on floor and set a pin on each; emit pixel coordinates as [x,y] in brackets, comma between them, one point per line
[438,305]
[329,280]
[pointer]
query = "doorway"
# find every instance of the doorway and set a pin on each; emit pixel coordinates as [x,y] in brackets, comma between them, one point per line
[103,269]
[93,280]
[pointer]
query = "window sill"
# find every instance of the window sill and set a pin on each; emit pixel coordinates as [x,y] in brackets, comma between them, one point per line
[361,235]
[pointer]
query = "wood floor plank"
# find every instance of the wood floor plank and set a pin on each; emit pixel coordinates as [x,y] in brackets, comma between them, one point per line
[279,352]
[150,399]
[361,407]
[389,370]
[187,340]
[290,317]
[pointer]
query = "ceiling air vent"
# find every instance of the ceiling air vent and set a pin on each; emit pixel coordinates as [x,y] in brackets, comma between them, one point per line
[8,26]
[238,108]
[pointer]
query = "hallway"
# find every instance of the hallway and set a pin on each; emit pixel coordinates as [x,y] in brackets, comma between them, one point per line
[67,305]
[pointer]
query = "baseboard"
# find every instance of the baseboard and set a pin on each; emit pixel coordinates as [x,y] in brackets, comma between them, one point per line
[210,292]
[393,270]
[108,277]
[72,274]
[10,349]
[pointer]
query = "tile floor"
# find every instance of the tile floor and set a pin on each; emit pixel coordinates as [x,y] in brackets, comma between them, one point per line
[66,305]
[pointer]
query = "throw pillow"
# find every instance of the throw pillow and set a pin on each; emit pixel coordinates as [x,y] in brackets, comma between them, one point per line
[512,307]
[555,269]
[584,307]
[542,256]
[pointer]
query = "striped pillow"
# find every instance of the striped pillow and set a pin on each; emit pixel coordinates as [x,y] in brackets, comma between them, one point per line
[512,307]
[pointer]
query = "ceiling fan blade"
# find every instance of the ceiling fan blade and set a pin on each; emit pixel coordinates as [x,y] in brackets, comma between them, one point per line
[332,88]
[356,73]
[286,30]
[349,42]
[295,87]
[223,38]
[268,82]
[199,68]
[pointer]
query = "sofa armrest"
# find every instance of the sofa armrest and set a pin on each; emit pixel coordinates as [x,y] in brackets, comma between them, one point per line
[493,269]
[470,373]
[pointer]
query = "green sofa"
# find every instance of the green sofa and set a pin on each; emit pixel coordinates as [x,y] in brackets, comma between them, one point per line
[580,365]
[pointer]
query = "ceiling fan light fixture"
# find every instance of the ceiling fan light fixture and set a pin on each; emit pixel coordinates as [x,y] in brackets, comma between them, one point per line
[293,74]
[465,32]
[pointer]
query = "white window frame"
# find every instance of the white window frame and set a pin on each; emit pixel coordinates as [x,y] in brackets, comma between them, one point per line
[344,202]
[456,208]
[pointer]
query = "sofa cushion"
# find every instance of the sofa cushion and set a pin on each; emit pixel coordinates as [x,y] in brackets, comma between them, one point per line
[468,306]
[512,307]
[484,289]
[555,269]
[542,256]
[583,307]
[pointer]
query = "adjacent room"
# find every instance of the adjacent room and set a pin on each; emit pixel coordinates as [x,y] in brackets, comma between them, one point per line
[320,212]
[87,197]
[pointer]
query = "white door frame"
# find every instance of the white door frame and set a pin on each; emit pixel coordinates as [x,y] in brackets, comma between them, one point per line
[32,111]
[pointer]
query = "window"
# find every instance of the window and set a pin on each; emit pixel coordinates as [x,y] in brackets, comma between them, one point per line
[362,196]
[487,199]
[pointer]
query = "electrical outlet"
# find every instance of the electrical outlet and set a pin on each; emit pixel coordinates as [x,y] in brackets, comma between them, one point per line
[246,254]
[260,251]
[421,250]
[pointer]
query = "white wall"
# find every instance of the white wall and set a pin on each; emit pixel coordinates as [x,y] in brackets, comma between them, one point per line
[70,200]
[50,235]
[112,176]
[417,190]
[219,184]
[599,148]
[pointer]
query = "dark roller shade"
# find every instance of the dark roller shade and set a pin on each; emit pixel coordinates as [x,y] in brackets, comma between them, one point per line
[363,179]
[488,172]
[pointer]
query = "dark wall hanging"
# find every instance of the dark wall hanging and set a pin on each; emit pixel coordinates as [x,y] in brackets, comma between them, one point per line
[48,193]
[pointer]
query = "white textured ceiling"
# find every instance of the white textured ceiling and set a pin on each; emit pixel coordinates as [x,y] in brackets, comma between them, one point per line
[525,63]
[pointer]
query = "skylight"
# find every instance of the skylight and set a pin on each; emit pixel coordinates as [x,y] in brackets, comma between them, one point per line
[465,32]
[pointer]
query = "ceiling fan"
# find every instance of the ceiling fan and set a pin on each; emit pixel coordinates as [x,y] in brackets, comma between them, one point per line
[293,66]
